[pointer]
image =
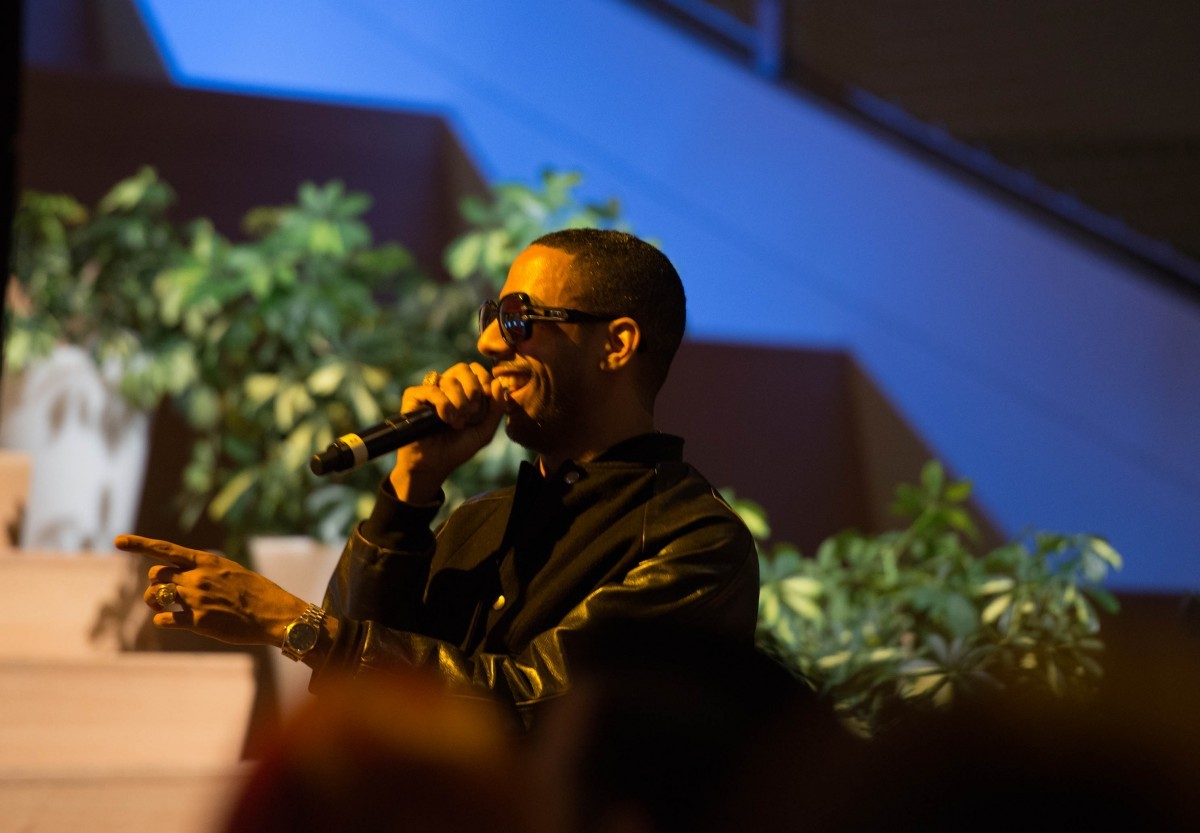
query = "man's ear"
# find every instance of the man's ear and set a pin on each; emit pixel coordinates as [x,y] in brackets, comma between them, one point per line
[622,341]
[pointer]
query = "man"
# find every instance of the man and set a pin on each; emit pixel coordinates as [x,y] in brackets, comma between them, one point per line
[609,526]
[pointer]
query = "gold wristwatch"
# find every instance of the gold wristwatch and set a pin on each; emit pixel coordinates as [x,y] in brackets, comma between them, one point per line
[301,636]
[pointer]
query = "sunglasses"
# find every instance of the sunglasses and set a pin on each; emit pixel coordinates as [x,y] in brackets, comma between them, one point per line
[516,315]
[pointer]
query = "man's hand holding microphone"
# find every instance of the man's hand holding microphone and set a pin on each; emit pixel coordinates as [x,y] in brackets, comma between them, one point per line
[471,403]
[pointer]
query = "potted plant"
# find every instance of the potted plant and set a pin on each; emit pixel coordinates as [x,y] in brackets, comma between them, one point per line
[914,618]
[271,346]
[87,357]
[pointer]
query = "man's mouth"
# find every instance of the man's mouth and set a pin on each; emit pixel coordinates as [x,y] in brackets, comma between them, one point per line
[512,380]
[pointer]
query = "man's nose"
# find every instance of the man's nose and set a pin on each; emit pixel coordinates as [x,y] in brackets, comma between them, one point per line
[491,343]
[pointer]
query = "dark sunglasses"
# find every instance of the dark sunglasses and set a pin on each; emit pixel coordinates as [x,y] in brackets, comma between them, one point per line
[516,315]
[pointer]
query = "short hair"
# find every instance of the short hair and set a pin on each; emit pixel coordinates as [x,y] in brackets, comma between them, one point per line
[627,277]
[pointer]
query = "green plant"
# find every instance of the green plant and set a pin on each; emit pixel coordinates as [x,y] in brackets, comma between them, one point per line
[294,348]
[84,278]
[275,345]
[915,617]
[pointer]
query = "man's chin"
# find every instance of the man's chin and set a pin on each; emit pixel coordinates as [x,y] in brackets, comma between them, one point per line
[521,429]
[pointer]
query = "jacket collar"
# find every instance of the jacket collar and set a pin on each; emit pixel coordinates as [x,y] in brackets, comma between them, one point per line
[645,448]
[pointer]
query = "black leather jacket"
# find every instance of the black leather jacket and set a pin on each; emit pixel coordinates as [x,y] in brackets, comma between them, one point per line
[497,597]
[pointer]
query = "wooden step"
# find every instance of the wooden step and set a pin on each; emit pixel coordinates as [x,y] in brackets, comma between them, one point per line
[181,802]
[161,712]
[55,604]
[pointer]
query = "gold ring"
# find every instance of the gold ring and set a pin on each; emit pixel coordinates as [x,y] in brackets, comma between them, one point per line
[431,378]
[166,595]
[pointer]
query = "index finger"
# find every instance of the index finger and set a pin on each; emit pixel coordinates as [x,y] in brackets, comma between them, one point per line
[155,548]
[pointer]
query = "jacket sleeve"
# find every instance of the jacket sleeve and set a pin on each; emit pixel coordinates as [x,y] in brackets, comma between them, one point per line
[706,578]
[382,572]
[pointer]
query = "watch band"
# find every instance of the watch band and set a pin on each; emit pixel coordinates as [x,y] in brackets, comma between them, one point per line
[302,634]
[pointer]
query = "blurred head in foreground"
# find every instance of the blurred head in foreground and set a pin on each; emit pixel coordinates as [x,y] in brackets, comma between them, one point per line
[386,753]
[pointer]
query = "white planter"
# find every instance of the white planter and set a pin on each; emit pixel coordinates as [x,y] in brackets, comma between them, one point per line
[88,449]
[302,566]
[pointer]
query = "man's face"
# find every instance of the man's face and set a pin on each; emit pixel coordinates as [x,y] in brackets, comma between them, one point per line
[548,374]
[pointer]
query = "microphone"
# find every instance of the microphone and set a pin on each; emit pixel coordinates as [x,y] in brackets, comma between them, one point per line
[350,451]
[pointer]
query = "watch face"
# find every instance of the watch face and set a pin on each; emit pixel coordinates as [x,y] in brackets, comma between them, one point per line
[302,636]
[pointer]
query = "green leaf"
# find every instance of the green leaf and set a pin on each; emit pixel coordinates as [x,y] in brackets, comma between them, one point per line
[202,407]
[258,280]
[498,252]
[751,513]
[1094,567]
[475,211]
[259,387]
[768,607]
[1085,615]
[834,660]
[1054,678]
[786,560]
[957,492]
[230,493]
[364,404]
[197,476]
[957,518]
[326,238]
[960,615]
[920,678]
[464,255]
[933,477]
[354,204]
[375,378]
[996,608]
[784,635]
[828,554]
[325,380]
[800,593]
[127,193]
[925,597]
[994,585]
[291,405]
[298,447]
[1105,551]
[909,501]
[310,196]
[941,649]
[1107,602]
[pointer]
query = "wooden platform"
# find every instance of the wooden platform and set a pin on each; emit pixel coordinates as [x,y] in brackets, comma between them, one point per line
[93,736]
